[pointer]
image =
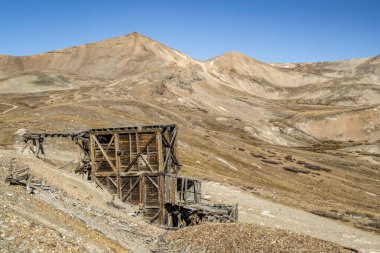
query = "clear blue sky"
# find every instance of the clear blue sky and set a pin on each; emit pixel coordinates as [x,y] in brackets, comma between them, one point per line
[278,31]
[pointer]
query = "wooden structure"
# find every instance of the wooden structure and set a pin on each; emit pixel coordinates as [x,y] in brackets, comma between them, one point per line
[135,165]
[139,165]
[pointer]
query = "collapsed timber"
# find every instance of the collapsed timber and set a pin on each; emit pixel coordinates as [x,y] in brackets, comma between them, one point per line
[22,176]
[139,165]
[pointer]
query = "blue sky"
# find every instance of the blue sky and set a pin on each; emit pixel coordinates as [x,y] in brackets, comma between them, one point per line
[274,31]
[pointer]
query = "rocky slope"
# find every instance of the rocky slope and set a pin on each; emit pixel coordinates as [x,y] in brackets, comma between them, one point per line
[305,134]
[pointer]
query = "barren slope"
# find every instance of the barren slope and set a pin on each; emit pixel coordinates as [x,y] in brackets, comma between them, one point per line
[105,59]
[306,135]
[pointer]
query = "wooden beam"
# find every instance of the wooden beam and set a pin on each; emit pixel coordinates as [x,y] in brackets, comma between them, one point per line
[168,152]
[147,163]
[79,156]
[132,188]
[92,152]
[140,152]
[151,180]
[104,174]
[99,183]
[38,147]
[122,188]
[174,158]
[161,198]
[33,146]
[104,153]
[165,141]
[137,149]
[161,190]
[160,161]
[108,147]
[124,131]
[130,147]
[126,174]
[113,182]
[173,137]
[26,145]
[118,178]
[155,216]
[143,193]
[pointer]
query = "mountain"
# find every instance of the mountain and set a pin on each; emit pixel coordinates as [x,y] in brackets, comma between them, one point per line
[147,68]
[305,134]
[105,59]
[135,54]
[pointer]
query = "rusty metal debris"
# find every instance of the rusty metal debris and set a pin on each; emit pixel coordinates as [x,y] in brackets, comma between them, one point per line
[139,165]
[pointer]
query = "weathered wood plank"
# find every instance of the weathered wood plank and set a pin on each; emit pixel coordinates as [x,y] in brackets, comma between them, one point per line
[147,163]
[132,188]
[104,153]
[140,152]
[154,183]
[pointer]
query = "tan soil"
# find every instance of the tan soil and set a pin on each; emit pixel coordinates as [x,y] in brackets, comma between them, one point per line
[241,121]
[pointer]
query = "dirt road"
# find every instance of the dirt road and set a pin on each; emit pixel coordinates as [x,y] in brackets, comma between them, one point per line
[8,110]
[253,209]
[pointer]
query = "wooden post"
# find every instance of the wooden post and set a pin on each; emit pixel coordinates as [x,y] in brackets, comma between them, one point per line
[79,157]
[137,150]
[130,147]
[117,156]
[143,193]
[93,163]
[37,147]
[161,185]
[183,190]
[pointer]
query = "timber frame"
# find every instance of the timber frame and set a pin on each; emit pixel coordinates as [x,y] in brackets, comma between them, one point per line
[139,165]
[132,164]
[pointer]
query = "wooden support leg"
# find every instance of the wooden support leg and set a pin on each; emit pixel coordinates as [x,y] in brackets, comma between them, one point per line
[26,145]
[38,148]
[32,146]
[42,150]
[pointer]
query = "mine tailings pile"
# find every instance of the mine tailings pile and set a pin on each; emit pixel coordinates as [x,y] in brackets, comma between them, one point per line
[139,165]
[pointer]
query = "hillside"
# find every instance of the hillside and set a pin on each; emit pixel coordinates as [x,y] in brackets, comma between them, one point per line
[306,135]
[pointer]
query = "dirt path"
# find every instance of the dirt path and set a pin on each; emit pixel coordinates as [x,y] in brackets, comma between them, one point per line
[253,209]
[8,110]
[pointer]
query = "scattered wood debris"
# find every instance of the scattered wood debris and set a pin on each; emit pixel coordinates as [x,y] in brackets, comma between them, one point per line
[21,176]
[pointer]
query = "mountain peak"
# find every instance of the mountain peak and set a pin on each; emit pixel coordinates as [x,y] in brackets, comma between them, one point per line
[111,58]
[133,35]
[130,38]
[233,56]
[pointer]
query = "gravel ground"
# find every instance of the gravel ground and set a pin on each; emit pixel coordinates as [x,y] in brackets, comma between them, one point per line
[257,210]
[73,216]
[24,227]
[52,220]
[240,237]
[21,235]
